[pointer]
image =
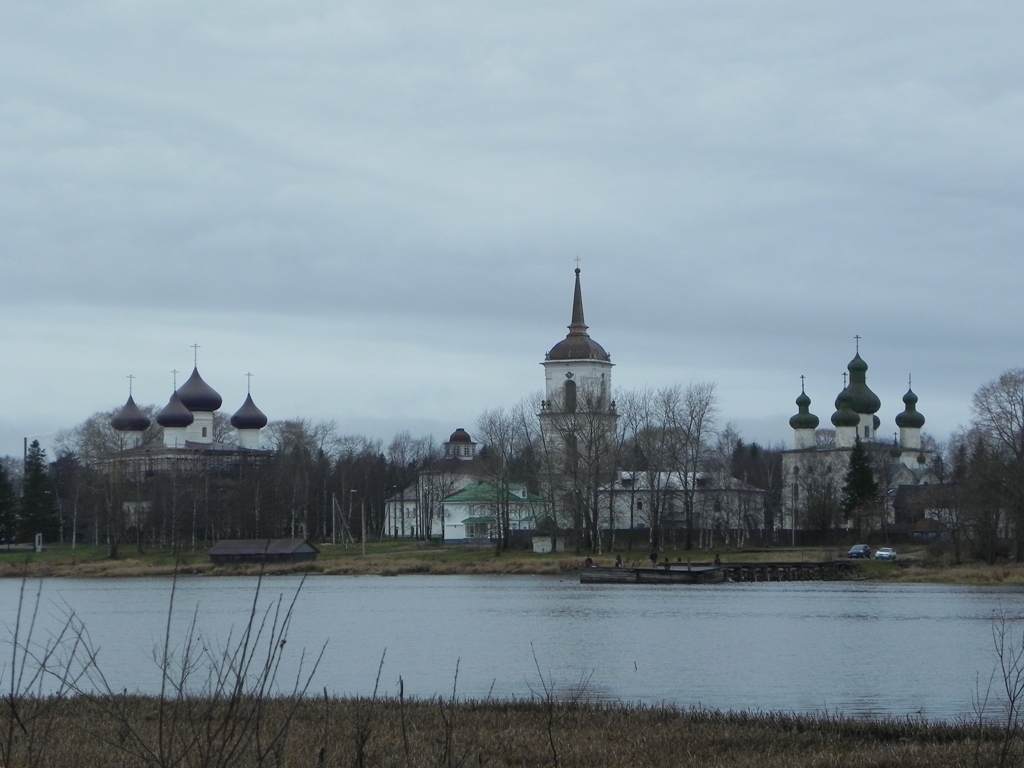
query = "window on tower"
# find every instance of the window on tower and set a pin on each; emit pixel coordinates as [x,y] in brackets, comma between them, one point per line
[569,393]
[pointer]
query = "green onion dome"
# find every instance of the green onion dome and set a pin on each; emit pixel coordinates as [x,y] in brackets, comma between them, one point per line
[845,416]
[862,399]
[804,419]
[910,418]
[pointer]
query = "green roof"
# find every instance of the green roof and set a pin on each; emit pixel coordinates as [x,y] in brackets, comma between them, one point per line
[486,493]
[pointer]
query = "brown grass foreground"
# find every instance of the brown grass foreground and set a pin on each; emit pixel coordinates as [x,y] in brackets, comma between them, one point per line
[388,732]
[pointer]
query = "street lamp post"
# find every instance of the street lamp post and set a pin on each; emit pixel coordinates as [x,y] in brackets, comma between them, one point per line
[351,502]
[796,478]
[399,496]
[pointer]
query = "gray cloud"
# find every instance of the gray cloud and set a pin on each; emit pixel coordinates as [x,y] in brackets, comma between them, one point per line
[748,185]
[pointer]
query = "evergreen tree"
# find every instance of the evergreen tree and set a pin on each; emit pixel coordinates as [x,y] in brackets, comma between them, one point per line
[8,507]
[38,508]
[860,489]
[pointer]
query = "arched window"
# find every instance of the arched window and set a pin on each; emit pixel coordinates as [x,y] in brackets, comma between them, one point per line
[569,393]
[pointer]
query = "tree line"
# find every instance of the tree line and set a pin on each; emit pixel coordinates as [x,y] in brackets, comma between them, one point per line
[317,482]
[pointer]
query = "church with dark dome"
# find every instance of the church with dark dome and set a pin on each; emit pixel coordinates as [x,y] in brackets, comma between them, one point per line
[814,469]
[187,427]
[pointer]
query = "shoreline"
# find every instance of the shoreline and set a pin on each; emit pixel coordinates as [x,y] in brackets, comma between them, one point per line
[88,561]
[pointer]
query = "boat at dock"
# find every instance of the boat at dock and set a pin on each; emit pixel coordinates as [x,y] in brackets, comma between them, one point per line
[653,575]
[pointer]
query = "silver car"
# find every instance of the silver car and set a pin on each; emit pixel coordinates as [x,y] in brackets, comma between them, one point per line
[885,553]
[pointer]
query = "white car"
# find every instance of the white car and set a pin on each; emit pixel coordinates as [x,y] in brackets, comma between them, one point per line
[885,553]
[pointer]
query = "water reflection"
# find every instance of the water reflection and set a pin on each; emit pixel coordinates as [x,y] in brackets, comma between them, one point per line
[856,649]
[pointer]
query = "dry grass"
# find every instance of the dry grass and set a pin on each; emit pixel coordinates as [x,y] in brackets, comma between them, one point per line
[962,574]
[332,732]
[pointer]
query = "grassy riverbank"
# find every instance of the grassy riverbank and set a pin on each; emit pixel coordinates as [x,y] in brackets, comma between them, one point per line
[413,557]
[129,731]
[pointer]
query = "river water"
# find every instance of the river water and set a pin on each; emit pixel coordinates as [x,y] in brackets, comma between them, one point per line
[851,648]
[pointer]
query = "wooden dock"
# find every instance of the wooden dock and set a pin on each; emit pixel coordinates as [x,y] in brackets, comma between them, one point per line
[828,570]
[679,573]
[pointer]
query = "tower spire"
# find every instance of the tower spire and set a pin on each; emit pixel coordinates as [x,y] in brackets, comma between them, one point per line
[578,325]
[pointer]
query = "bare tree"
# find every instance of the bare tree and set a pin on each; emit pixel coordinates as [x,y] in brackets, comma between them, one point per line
[997,410]
[650,419]
[695,424]
[503,435]
[95,439]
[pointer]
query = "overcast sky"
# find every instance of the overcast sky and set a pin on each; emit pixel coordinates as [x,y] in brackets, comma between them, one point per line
[375,208]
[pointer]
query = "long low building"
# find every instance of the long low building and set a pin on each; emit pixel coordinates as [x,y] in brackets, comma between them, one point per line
[232,551]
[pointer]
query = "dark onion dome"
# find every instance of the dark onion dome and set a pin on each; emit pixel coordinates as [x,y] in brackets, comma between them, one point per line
[875,423]
[577,345]
[460,436]
[910,418]
[248,416]
[130,418]
[844,415]
[175,414]
[862,399]
[804,419]
[197,395]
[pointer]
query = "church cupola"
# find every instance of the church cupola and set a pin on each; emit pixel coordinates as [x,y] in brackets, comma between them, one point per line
[248,420]
[845,420]
[861,399]
[202,400]
[804,423]
[131,422]
[910,418]
[910,422]
[577,370]
[577,345]
[197,395]
[175,418]
[460,446]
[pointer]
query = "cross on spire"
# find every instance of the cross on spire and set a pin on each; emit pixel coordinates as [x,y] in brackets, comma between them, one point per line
[195,355]
[175,374]
[844,379]
[130,378]
[857,337]
[802,382]
[248,383]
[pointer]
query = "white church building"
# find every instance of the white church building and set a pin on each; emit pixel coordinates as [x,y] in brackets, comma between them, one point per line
[814,470]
